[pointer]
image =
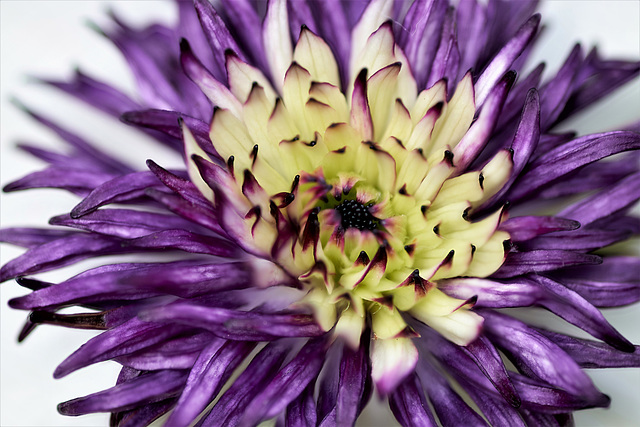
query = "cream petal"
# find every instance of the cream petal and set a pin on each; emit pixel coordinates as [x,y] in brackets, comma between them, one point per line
[192,148]
[242,76]
[456,116]
[315,55]
[460,327]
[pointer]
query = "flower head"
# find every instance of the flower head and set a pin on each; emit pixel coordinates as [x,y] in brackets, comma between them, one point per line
[358,200]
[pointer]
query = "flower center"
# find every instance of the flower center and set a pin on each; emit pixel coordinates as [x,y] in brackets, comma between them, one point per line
[356,215]
[363,195]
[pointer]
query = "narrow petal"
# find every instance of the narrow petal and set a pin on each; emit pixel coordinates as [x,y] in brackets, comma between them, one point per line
[120,189]
[570,156]
[518,263]
[522,228]
[409,406]
[288,383]
[277,41]
[213,368]
[145,389]
[503,60]
[539,357]
[592,354]
[448,405]
[235,324]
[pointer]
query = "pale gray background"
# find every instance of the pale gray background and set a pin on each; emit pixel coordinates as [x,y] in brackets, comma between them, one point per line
[49,38]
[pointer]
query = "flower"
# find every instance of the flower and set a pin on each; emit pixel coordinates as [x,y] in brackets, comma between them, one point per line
[335,200]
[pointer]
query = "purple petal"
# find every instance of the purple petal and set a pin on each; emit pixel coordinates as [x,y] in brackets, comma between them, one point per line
[167,122]
[152,55]
[409,406]
[523,145]
[492,294]
[300,15]
[467,373]
[56,159]
[178,353]
[592,177]
[551,141]
[522,228]
[471,20]
[184,187]
[84,149]
[190,28]
[185,241]
[537,357]
[210,372]
[328,388]
[447,59]
[236,325]
[570,306]
[288,383]
[597,78]
[124,223]
[555,93]
[332,21]
[419,36]
[245,25]
[302,411]
[570,156]
[503,60]
[533,418]
[32,237]
[145,389]
[187,210]
[76,181]
[217,36]
[120,189]
[474,141]
[484,354]
[623,268]
[592,354]
[58,253]
[137,281]
[124,339]
[253,379]
[519,263]
[355,380]
[97,94]
[518,96]
[605,294]
[496,410]
[142,415]
[579,240]
[606,202]
[448,405]
[538,396]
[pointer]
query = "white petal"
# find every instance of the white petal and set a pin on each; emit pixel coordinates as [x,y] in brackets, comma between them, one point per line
[374,15]
[277,41]
[391,361]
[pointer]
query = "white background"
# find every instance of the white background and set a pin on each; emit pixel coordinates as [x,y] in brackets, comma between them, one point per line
[48,38]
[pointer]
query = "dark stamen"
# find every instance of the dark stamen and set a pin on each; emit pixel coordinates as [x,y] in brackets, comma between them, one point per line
[356,215]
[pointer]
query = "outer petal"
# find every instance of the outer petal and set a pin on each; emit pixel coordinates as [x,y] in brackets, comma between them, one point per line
[392,360]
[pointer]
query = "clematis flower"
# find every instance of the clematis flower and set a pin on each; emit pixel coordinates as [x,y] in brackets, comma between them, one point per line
[361,196]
